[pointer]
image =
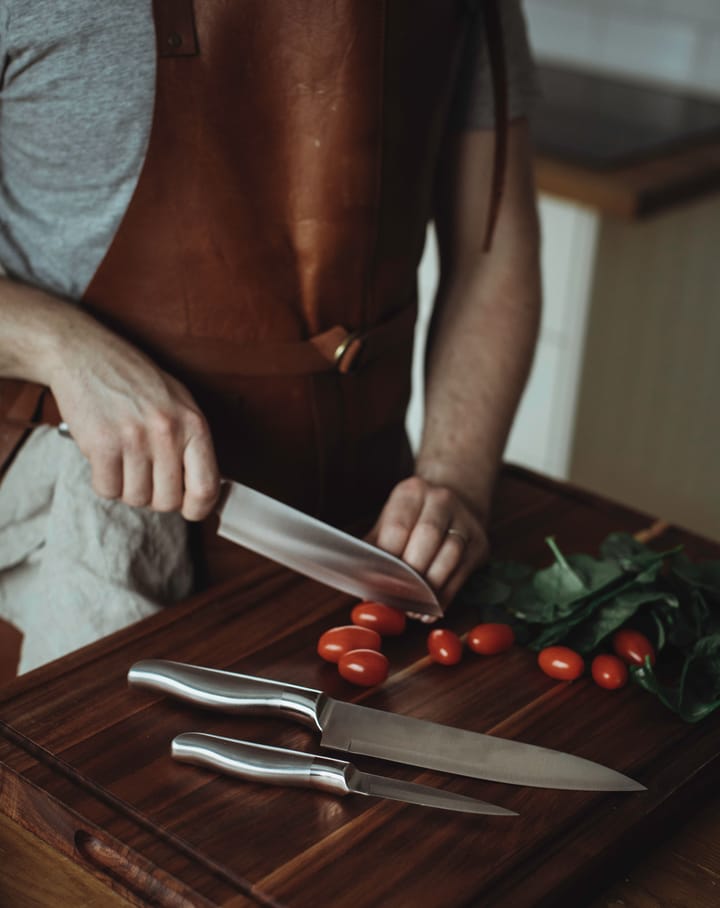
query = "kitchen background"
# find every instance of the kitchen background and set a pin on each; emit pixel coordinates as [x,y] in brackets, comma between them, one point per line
[623,397]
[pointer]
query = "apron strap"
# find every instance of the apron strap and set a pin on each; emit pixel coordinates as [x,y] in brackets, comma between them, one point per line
[498,67]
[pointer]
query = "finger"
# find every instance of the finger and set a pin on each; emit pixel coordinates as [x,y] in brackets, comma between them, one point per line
[137,489]
[107,474]
[168,488]
[429,533]
[202,478]
[168,492]
[424,619]
[398,518]
[476,554]
[446,560]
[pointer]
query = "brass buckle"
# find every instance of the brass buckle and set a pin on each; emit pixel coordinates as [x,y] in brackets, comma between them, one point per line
[347,350]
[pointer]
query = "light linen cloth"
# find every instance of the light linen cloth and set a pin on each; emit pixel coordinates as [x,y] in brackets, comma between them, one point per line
[75,567]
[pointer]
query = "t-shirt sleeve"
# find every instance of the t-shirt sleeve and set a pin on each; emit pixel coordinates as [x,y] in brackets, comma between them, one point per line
[473,106]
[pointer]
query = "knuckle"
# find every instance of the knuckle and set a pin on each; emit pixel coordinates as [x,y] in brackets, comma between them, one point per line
[205,489]
[195,423]
[133,436]
[163,425]
[413,486]
[440,496]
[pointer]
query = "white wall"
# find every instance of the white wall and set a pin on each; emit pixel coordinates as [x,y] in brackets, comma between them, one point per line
[672,42]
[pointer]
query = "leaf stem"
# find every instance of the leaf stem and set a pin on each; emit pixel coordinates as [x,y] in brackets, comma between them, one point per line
[559,557]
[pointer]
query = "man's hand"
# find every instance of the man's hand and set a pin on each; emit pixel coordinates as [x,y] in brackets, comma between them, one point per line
[145,438]
[434,531]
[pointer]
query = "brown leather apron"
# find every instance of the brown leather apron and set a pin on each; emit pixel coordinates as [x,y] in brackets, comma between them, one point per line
[268,256]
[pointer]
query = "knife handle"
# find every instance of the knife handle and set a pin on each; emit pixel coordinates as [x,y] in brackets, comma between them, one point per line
[261,763]
[229,692]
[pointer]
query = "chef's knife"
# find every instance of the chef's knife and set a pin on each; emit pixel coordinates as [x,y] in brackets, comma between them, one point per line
[320,551]
[278,766]
[378,733]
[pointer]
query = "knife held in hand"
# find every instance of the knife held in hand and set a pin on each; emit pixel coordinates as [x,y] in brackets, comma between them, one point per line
[378,733]
[318,550]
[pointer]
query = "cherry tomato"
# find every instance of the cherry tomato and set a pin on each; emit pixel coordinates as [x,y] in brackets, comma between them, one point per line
[444,646]
[632,646]
[338,640]
[388,622]
[366,667]
[488,639]
[561,662]
[609,671]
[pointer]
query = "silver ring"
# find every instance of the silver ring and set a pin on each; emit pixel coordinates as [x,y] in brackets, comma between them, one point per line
[453,532]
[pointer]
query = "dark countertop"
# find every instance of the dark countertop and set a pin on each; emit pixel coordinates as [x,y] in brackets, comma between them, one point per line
[627,149]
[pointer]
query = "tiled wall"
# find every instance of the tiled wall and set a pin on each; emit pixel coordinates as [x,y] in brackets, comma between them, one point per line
[675,42]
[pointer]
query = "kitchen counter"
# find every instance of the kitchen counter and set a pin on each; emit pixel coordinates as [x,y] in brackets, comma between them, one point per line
[626,150]
[84,762]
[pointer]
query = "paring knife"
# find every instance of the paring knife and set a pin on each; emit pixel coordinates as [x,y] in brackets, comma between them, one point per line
[278,766]
[378,733]
[320,551]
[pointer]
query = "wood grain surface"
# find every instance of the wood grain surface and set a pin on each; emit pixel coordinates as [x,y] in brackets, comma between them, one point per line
[85,765]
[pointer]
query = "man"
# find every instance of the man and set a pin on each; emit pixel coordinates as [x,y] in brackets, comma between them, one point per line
[244,241]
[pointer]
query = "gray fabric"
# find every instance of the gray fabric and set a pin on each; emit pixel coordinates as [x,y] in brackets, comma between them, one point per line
[74,567]
[75,111]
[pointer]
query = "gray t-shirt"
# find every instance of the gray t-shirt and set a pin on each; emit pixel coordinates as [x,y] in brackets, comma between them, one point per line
[76,100]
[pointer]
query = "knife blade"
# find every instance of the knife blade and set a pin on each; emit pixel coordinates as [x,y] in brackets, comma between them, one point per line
[320,551]
[356,729]
[280,766]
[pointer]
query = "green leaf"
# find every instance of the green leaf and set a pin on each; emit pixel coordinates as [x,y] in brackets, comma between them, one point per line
[697,693]
[629,554]
[606,619]
[704,575]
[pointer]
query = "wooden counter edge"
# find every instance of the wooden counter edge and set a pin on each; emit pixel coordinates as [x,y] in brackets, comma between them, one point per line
[639,190]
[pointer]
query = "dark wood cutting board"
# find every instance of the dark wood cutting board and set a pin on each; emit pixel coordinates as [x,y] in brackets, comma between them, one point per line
[85,765]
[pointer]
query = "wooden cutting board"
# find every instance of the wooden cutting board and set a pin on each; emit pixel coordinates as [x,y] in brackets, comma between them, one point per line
[84,761]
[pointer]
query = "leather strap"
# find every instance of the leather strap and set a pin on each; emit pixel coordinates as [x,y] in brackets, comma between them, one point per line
[335,349]
[175,28]
[498,67]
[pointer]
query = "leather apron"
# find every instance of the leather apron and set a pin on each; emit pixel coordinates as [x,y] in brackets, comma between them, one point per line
[268,256]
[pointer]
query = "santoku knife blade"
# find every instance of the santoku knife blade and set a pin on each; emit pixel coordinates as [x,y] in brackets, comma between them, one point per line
[320,551]
[278,766]
[377,733]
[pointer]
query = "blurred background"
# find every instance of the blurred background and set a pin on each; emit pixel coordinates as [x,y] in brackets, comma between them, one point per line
[624,394]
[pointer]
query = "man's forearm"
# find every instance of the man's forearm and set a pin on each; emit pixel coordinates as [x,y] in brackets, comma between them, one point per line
[478,363]
[483,335]
[32,327]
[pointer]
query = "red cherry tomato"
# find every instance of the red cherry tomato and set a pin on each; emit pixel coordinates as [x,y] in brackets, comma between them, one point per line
[488,639]
[444,646]
[338,640]
[388,622]
[366,667]
[632,646]
[609,671]
[561,662]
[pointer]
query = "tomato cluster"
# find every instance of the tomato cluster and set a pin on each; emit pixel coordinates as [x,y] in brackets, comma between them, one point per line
[607,670]
[356,647]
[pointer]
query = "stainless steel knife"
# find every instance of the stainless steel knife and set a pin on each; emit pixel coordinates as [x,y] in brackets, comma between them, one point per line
[278,766]
[320,551]
[377,733]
